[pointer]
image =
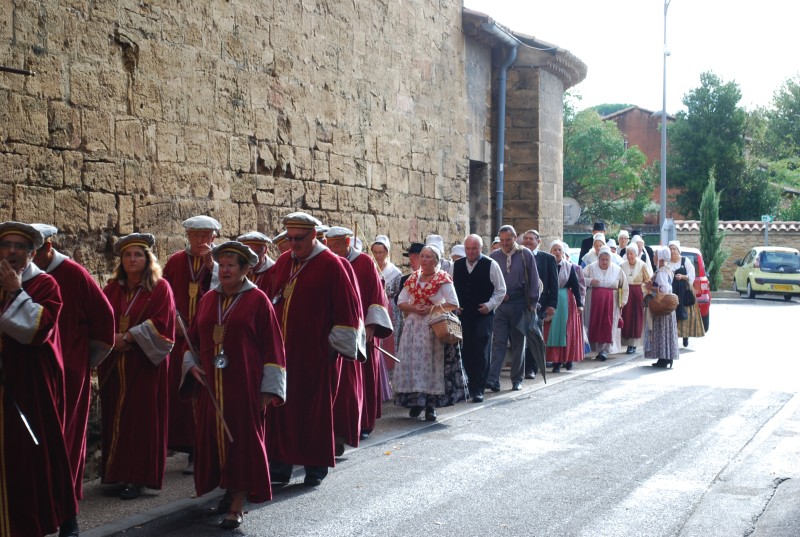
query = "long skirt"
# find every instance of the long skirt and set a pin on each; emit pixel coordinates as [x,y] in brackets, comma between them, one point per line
[572,327]
[430,372]
[661,337]
[633,317]
[693,325]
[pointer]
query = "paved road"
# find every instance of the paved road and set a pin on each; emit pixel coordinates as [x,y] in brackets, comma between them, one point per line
[627,450]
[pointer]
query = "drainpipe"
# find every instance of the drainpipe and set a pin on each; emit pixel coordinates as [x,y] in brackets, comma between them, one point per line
[511,42]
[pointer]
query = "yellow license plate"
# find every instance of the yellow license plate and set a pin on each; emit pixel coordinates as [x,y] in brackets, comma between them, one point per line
[780,287]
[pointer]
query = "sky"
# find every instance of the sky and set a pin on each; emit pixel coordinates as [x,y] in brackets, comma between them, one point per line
[752,43]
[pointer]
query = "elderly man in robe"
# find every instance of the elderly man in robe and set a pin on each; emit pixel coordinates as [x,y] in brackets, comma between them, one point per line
[36,484]
[191,272]
[87,322]
[378,324]
[319,310]
[606,295]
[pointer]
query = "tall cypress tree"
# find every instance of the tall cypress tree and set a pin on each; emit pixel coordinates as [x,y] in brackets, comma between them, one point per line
[710,235]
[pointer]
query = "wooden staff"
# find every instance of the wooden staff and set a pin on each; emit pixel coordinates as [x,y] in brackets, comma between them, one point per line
[208,388]
[389,354]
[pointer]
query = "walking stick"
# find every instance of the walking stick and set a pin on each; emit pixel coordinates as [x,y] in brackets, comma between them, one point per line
[208,388]
[389,354]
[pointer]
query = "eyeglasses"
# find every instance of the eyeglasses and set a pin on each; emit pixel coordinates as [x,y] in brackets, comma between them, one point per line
[8,245]
[297,238]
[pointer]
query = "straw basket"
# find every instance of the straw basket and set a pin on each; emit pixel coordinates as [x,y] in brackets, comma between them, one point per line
[445,325]
[663,304]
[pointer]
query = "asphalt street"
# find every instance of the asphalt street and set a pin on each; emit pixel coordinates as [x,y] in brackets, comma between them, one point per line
[711,447]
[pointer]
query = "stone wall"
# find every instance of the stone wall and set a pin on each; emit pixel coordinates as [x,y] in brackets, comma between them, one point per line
[740,238]
[145,113]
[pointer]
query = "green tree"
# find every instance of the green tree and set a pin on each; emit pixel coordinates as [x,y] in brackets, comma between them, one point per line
[710,235]
[711,134]
[608,179]
[783,132]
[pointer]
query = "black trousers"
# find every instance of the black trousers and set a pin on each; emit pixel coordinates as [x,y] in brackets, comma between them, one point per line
[476,350]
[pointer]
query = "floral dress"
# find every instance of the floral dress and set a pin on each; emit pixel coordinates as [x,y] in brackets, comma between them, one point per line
[430,372]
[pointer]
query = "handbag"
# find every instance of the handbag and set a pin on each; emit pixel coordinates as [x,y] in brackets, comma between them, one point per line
[662,304]
[688,297]
[446,325]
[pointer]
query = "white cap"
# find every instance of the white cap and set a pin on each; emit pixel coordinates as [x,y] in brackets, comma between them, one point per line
[604,250]
[202,222]
[458,249]
[435,240]
[624,233]
[676,244]
[599,237]
[383,239]
[611,243]
[254,236]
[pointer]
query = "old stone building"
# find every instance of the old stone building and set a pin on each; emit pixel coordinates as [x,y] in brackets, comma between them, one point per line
[378,114]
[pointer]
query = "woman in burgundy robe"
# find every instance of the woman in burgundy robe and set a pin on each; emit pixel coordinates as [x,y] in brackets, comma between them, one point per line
[133,380]
[241,360]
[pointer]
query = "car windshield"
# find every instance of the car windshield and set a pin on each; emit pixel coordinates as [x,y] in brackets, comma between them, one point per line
[780,261]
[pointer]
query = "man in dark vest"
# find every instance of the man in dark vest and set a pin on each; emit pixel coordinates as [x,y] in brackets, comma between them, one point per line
[480,287]
[588,243]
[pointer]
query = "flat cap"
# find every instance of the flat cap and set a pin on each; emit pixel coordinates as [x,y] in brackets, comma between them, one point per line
[145,240]
[254,236]
[322,229]
[46,230]
[202,222]
[338,232]
[236,247]
[26,230]
[301,220]
[279,238]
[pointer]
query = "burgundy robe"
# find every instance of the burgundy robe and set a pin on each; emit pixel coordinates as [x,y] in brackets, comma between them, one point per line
[36,490]
[86,326]
[375,309]
[254,347]
[349,402]
[133,388]
[319,316]
[180,271]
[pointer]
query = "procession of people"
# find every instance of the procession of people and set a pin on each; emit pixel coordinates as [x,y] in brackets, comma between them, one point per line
[292,357]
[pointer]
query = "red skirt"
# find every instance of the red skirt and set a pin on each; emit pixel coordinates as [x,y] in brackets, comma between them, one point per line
[633,314]
[601,315]
[573,352]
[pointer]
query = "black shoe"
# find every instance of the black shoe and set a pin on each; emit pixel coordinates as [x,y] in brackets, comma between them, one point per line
[339,449]
[686,342]
[568,366]
[232,523]
[557,368]
[517,386]
[477,398]
[312,481]
[69,528]
[365,434]
[415,411]
[130,492]
[530,376]
[430,413]
[602,357]
[494,387]
[661,363]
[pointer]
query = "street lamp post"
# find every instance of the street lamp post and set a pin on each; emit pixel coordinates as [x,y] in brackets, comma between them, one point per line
[663,212]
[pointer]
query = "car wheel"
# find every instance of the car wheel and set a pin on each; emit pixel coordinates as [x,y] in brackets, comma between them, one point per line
[787,298]
[750,293]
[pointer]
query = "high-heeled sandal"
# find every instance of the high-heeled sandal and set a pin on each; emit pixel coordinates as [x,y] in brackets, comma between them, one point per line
[232,523]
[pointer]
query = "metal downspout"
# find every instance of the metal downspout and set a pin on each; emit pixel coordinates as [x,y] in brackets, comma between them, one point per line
[511,42]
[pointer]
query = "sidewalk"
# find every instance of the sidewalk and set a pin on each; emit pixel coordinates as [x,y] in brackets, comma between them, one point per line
[103,513]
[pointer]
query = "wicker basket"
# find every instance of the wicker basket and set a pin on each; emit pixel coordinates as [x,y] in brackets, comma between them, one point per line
[445,325]
[663,304]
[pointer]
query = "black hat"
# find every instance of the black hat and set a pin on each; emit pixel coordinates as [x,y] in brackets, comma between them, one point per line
[415,248]
[599,226]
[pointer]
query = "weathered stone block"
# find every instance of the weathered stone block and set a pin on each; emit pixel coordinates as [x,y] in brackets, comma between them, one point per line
[243,188]
[327,197]
[129,138]
[241,158]
[13,168]
[97,131]
[126,215]
[248,219]
[170,143]
[138,177]
[33,204]
[102,211]
[103,176]
[64,125]
[27,119]
[6,202]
